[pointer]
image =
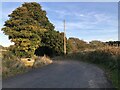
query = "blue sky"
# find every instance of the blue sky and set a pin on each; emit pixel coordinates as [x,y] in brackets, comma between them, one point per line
[84,20]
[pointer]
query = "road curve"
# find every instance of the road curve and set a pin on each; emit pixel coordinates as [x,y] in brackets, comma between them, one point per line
[61,74]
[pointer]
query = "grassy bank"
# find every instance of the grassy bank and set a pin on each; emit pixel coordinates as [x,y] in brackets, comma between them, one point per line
[12,65]
[108,58]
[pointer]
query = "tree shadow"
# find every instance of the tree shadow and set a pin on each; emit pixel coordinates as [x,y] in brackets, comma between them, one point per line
[44,50]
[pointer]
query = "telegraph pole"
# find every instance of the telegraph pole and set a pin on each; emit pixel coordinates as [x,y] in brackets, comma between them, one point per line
[64,39]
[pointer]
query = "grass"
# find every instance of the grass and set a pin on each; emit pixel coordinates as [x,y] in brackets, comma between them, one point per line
[107,58]
[12,65]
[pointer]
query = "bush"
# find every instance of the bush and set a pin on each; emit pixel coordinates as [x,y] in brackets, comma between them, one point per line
[41,61]
[107,57]
[11,65]
[101,57]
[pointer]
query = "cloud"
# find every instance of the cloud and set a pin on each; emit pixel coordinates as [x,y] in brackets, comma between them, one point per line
[90,26]
[91,18]
[99,23]
[81,21]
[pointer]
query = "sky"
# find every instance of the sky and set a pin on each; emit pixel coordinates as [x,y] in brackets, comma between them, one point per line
[84,20]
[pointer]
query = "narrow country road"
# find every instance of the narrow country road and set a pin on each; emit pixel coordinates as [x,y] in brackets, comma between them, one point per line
[61,74]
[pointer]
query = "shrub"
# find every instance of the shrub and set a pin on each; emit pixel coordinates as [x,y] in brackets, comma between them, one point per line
[101,57]
[107,57]
[41,61]
[11,65]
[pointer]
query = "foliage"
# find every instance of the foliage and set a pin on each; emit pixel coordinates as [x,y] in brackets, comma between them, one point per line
[30,29]
[77,44]
[113,43]
[106,57]
[96,44]
[101,57]
[52,44]
[25,26]
[11,65]
[41,61]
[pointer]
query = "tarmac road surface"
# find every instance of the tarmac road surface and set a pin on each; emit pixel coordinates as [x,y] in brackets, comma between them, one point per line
[61,74]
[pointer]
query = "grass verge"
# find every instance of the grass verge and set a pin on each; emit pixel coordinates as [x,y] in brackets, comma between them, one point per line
[12,65]
[106,58]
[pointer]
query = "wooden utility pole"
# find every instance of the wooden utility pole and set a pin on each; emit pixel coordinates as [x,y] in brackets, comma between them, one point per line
[64,39]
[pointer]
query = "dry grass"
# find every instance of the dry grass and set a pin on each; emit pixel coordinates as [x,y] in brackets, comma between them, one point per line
[12,65]
[106,57]
[41,61]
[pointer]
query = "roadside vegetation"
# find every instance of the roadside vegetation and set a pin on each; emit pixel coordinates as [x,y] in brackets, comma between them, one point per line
[35,37]
[107,58]
[12,65]
[32,33]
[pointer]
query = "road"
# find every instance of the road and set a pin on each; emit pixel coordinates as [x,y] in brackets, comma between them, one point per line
[61,74]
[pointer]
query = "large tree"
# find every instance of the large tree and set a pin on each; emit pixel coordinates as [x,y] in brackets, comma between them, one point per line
[30,29]
[52,42]
[25,26]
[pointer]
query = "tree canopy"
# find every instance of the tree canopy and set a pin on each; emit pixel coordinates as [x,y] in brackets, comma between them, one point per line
[29,28]
[24,27]
[53,42]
